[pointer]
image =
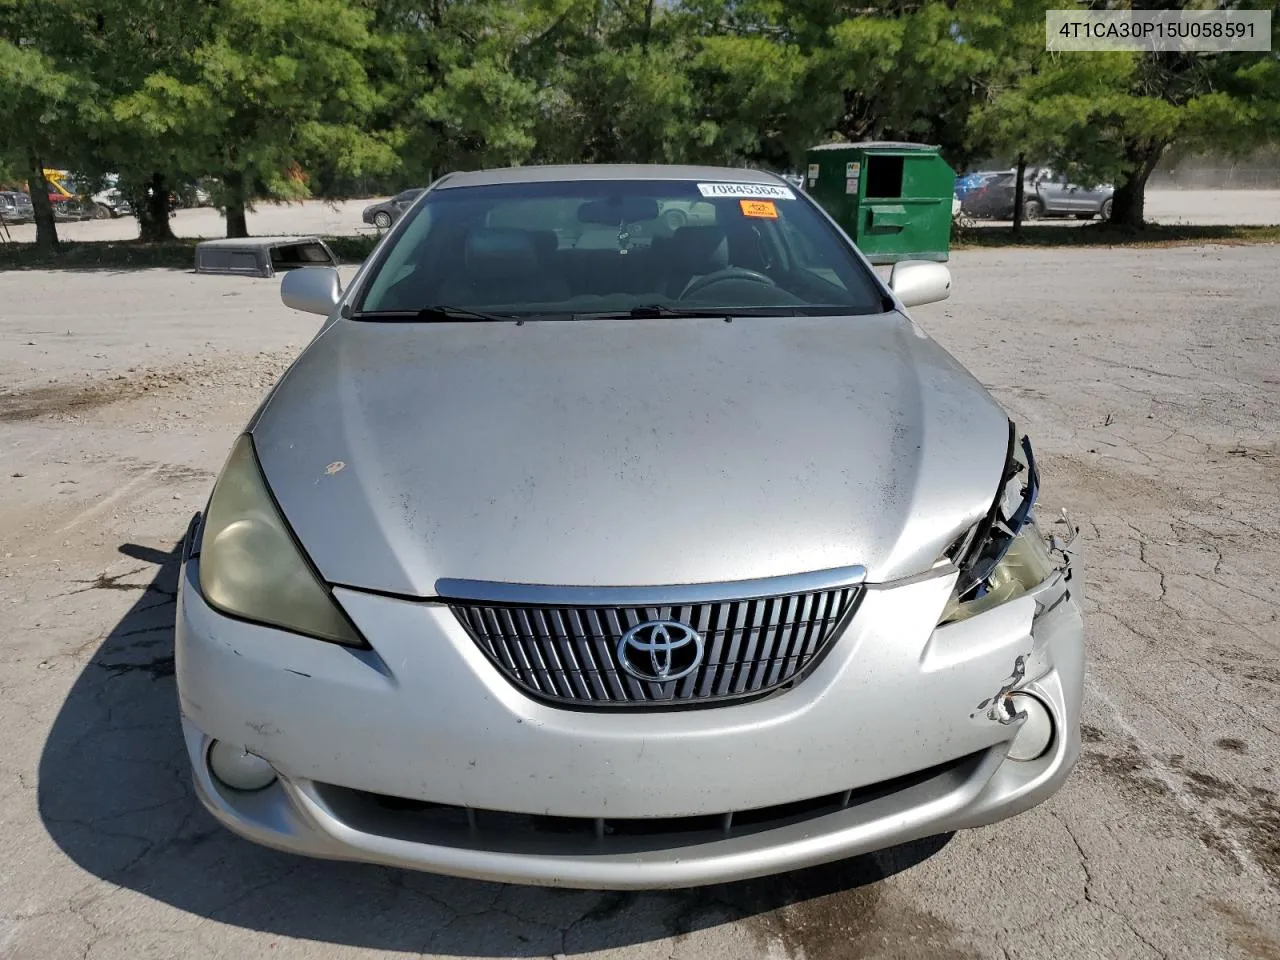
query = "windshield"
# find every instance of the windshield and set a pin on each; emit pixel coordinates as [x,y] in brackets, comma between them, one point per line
[584,247]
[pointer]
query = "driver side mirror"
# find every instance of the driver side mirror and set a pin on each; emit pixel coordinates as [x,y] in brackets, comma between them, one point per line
[915,282]
[311,289]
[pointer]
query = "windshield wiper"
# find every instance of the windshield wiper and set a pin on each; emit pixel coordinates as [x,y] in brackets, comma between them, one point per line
[439,313]
[652,311]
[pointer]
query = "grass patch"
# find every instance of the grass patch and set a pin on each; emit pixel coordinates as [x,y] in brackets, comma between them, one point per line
[352,249]
[134,254]
[1106,235]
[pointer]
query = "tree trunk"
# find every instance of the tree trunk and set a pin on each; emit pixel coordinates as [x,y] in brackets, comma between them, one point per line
[237,224]
[153,214]
[1128,205]
[1018,194]
[46,228]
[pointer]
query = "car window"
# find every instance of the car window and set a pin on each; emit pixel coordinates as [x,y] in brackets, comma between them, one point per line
[582,247]
[406,195]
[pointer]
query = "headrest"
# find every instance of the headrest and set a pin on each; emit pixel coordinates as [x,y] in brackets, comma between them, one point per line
[701,249]
[501,252]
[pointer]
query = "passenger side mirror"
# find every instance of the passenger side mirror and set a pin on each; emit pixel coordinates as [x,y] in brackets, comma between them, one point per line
[311,289]
[915,282]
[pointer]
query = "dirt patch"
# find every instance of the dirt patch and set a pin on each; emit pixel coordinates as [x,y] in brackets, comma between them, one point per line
[1208,787]
[1258,824]
[1093,480]
[1247,934]
[77,400]
[1246,665]
[1252,814]
[858,925]
[180,382]
[1126,769]
[1090,734]
[1230,744]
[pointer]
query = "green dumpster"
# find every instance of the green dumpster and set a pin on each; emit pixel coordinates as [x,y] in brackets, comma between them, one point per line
[893,199]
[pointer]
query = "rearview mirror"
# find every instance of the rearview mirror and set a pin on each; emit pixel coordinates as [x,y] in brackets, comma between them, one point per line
[311,289]
[920,281]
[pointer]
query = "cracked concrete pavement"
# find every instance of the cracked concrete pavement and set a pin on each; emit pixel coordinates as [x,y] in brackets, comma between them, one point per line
[1150,381]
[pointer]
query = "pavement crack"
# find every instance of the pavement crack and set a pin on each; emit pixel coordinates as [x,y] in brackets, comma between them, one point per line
[1093,900]
[1084,858]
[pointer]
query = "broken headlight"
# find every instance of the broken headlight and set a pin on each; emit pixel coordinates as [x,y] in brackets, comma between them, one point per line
[1004,554]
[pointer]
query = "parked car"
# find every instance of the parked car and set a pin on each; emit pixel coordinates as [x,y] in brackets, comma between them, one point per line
[675,214]
[971,181]
[193,194]
[1045,194]
[16,207]
[110,201]
[684,560]
[386,212]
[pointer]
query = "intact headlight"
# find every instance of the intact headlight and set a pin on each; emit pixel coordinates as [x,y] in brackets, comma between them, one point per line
[251,566]
[1004,555]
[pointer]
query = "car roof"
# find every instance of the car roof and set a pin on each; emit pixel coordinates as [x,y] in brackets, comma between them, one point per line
[552,173]
[256,243]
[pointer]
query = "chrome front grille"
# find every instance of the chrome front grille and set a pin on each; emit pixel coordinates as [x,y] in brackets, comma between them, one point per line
[568,654]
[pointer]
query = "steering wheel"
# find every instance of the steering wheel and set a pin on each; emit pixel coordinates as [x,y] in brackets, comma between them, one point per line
[727,273]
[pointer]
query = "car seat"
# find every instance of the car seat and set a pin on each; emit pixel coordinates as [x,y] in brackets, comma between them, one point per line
[500,265]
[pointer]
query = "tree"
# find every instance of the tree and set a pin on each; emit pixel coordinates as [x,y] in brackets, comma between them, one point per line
[909,71]
[1225,101]
[1040,106]
[467,83]
[43,100]
[749,88]
[265,88]
[120,43]
[1115,114]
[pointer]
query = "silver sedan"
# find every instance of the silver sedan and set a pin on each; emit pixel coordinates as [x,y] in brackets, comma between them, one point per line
[585,549]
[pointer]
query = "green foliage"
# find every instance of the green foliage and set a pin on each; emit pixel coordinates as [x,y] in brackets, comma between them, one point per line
[267,87]
[1114,114]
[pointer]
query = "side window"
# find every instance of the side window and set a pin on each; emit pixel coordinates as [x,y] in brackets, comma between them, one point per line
[402,261]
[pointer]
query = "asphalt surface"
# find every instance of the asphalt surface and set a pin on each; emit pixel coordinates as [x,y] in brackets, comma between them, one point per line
[343,218]
[1150,380]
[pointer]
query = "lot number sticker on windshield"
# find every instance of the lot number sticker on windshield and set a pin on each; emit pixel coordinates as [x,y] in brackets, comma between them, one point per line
[747,191]
[759,208]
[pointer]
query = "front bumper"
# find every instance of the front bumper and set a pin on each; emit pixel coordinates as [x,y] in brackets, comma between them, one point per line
[418,754]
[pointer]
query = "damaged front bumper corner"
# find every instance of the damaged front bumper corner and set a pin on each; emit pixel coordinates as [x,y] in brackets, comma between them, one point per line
[1053,674]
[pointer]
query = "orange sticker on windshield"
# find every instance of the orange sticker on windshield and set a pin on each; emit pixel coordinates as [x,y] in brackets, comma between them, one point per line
[759,208]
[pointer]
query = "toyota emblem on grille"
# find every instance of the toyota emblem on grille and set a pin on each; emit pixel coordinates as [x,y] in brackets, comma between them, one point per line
[660,650]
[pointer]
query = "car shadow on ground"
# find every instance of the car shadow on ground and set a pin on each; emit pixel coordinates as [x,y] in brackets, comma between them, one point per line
[115,795]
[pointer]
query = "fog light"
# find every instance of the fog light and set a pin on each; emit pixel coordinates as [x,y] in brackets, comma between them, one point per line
[1036,733]
[239,769]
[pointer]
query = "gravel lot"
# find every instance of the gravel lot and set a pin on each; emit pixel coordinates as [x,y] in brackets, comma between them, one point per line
[340,219]
[1151,382]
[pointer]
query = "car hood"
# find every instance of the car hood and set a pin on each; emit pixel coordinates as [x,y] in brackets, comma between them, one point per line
[643,452]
